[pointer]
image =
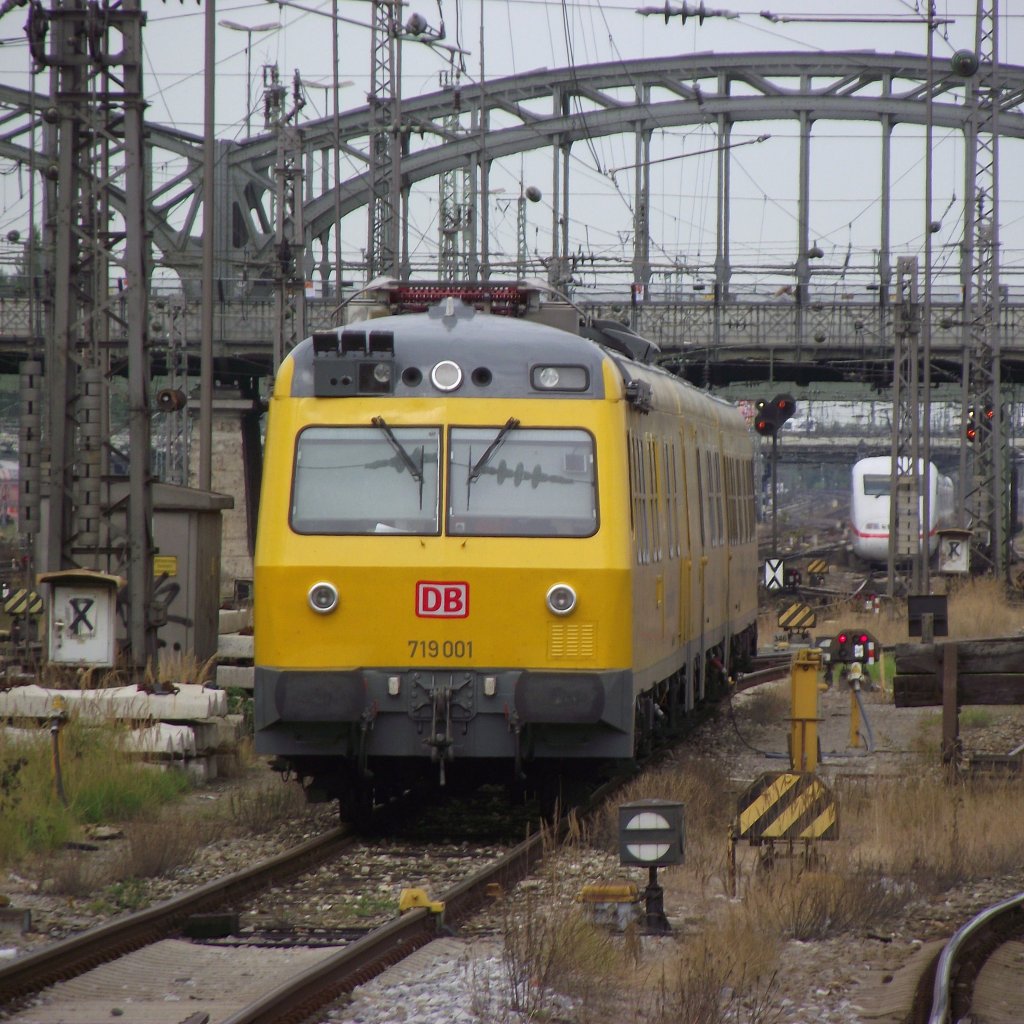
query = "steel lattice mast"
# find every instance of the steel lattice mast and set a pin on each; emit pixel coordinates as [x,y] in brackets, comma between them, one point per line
[983,466]
[94,145]
[382,255]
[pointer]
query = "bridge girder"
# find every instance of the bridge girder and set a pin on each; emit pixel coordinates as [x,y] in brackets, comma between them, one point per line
[686,90]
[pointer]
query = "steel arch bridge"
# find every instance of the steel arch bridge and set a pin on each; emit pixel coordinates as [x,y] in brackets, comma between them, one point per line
[546,109]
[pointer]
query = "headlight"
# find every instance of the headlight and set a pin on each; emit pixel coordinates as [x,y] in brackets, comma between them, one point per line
[323,597]
[446,375]
[560,378]
[561,599]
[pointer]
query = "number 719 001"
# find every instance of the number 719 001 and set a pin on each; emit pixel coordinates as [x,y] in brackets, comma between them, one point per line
[440,648]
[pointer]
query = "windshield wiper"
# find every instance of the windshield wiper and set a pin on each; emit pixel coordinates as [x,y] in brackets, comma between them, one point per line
[491,449]
[416,473]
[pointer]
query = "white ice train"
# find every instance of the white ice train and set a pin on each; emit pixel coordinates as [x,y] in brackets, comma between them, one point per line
[869,507]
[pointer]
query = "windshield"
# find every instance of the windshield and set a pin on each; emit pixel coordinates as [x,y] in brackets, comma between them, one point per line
[377,479]
[531,483]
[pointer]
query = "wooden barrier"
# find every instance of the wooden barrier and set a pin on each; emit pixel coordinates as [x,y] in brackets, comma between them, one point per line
[952,674]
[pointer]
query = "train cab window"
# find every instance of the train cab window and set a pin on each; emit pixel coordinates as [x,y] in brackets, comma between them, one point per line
[356,480]
[521,482]
[877,485]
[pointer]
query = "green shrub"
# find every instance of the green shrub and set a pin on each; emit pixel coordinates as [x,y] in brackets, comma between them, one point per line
[100,783]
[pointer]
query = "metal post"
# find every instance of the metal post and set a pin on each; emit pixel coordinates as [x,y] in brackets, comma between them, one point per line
[337,156]
[206,326]
[775,493]
[923,576]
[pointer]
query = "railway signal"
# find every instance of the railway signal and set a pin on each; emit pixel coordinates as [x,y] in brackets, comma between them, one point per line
[772,415]
[975,422]
[768,422]
[970,427]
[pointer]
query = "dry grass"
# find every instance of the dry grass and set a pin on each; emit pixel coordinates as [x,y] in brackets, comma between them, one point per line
[978,607]
[158,846]
[257,808]
[173,668]
[726,973]
[935,833]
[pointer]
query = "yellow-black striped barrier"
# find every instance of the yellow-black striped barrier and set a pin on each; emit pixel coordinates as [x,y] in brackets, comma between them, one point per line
[797,616]
[817,566]
[24,602]
[788,805]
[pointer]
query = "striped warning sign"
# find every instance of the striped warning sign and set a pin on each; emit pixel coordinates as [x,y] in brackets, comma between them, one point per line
[788,805]
[797,616]
[817,567]
[24,602]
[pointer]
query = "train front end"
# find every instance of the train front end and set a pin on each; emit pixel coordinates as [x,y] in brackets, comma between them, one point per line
[437,593]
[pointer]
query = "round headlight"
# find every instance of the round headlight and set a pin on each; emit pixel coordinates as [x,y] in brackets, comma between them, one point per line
[382,373]
[561,599]
[548,377]
[323,597]
[446,375]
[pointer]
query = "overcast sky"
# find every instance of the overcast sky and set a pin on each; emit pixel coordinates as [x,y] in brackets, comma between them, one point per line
[521,35]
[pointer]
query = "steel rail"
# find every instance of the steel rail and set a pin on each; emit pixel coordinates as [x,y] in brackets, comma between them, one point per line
[967,943]
[74,956]
[304,994]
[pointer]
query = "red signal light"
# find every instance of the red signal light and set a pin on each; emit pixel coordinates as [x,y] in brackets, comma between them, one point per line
[863,638]
[971,432]
[842,638]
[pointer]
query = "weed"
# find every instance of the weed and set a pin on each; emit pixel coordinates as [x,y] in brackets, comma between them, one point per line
[363,907]
[100,781]
[129,894]
[257,809]
[157,847]
[71,873]
[976,718]
[725,974]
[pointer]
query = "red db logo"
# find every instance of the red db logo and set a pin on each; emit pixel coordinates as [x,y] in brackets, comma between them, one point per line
[442,600]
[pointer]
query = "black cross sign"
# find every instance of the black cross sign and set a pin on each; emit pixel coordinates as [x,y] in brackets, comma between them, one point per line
[80,624]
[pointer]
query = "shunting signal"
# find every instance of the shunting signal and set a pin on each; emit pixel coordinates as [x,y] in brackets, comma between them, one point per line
[855,645]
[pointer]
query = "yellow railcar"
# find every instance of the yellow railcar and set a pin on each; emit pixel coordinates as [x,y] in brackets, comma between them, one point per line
[488,547]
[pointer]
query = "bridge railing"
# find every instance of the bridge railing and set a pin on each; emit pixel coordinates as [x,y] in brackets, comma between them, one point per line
[245,328]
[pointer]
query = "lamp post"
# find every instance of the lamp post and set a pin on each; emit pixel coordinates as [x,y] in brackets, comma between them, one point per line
[270,26]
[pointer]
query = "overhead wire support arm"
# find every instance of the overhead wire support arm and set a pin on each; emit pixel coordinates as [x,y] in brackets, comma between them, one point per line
[684,11]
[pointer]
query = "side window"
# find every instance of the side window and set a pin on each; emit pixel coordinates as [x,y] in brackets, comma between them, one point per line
[672,499]
[702,498]
[719,499]
[713,524]
[653,499]
[639,504]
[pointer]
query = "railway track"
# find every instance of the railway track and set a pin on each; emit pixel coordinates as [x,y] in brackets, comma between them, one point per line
[977,968]
[71,957]
[145,954]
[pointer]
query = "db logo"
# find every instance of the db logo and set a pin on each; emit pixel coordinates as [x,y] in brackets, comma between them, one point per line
[442,600]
